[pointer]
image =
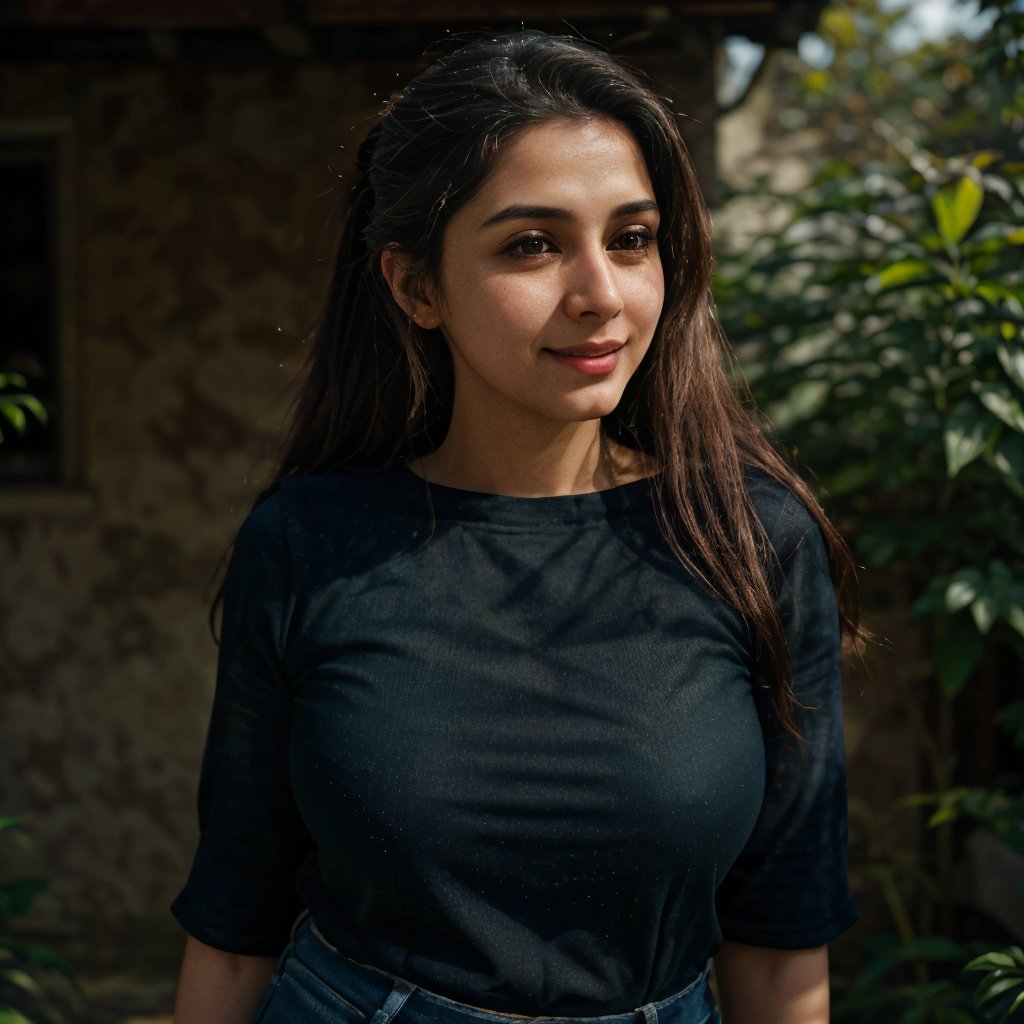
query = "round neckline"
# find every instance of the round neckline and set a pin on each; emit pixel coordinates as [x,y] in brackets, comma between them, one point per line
[511,510]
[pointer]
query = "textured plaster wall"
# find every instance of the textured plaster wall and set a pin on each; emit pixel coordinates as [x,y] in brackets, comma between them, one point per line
[203,235]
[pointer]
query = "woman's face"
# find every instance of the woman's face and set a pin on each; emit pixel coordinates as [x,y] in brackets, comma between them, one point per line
[551,284]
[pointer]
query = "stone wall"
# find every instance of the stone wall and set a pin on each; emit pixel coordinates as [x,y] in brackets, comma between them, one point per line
[205,201]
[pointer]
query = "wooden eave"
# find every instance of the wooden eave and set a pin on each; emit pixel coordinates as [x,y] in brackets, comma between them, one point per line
[68,30]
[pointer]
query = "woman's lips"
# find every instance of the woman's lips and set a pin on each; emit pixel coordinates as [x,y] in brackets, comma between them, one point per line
[595,360]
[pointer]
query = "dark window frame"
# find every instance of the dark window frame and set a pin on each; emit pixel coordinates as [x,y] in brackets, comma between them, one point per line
[51,139]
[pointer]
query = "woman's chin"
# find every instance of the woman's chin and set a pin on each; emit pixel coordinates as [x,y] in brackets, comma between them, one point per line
[593,406]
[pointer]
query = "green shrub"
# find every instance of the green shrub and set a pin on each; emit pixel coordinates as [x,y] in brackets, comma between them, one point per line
[880,327]
[26,966]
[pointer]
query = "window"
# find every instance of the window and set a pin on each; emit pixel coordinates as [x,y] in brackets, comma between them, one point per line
[36,364]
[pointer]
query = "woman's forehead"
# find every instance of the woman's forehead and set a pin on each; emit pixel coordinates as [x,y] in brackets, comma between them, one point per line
[575,166]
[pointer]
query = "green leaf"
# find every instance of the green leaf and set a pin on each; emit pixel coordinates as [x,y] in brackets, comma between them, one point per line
[998,399]
[1014,615]
[11,820]
[917,800]
[942,815]
[963,588]
[985,158]
[11,1016]
[16,897]
[21,979]
[804,400]
[996,985]
[968,432]
[956,653]
[932,600]
[984,611]
[14,415]
[1008,458]
[838,27]
[956,208]
[34,406]
[1013,363]
[898,273]
[1002,296]
[39,956]
[1011,956]
[851,476]
[1016,1005]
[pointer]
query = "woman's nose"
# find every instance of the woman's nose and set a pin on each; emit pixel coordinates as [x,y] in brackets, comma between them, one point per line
[592,290]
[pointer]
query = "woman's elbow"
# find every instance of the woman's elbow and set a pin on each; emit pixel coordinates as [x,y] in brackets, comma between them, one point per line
[217,987]
[758,985]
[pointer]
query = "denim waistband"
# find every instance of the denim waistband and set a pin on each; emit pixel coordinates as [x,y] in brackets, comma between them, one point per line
[381,997]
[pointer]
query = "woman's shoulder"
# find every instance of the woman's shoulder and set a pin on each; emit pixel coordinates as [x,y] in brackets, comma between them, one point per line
[787,521]
[333,519]
[308,499]
[345,486]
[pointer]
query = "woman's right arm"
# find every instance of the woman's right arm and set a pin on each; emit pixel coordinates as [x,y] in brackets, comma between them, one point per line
[219,988]
[241,891]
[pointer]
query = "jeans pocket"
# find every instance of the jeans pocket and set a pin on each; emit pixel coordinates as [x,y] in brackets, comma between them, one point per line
[268,995]
[297,994]
[275,978]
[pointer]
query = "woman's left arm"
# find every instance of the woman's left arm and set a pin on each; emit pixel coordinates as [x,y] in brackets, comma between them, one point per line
[757,985]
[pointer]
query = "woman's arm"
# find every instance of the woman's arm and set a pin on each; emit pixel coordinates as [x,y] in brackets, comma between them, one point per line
[219,988]
[772,986]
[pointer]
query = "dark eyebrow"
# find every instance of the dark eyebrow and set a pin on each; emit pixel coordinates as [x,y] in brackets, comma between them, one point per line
[522,212]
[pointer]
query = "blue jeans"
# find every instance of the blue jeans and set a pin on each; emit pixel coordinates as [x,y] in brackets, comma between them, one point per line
[315,984]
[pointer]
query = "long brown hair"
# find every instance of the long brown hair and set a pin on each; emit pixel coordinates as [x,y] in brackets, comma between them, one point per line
[377,387]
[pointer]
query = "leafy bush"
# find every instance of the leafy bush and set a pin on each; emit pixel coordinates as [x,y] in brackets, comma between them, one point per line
[17,404]
[1000,994]
[24,965]
[880,326]
[883,328]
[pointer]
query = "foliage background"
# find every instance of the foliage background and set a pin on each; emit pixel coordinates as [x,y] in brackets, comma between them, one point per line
[877,312]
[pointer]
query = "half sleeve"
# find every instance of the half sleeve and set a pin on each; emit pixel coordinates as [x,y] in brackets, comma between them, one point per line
[789,887]
[240,895]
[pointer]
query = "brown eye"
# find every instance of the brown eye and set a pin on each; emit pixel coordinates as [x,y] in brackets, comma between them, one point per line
[531,245]
[634,241]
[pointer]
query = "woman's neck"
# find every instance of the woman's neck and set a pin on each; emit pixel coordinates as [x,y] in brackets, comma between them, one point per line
[531,460]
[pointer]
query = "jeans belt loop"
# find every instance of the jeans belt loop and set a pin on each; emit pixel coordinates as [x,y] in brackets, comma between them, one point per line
[649,1013]
[394,1002]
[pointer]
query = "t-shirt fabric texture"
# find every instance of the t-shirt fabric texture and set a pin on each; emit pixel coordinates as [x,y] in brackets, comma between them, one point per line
[510,748]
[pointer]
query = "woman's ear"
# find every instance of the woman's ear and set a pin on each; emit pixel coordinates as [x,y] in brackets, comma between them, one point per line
[418,304]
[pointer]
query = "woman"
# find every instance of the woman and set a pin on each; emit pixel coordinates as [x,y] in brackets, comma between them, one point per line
[529,662]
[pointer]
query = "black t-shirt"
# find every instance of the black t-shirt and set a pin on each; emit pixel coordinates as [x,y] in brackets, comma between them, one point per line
[509,749]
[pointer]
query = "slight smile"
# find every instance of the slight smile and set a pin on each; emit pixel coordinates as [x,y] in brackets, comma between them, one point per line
[595,358]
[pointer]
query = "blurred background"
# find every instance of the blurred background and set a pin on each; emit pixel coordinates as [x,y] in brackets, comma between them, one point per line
[172,177]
